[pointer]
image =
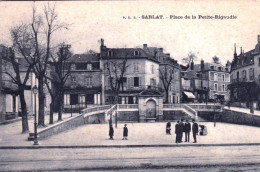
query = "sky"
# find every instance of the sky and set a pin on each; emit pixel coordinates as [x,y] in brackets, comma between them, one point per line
[92,20]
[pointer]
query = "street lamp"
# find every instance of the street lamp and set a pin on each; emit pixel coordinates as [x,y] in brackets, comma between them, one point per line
[35,91]
[214,110]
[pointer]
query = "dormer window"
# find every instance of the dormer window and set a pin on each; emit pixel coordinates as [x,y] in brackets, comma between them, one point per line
[219,68]
[73,66]
[211,67]
[109,53]
[89,66]
[136,53]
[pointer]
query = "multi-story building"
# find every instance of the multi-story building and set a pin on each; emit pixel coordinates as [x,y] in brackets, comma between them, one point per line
[205,82]
[83,87]
[214,79]
[245,77]
[169,74]
[135,68]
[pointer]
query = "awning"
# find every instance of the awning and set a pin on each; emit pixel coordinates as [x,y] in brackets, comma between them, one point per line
[189,95]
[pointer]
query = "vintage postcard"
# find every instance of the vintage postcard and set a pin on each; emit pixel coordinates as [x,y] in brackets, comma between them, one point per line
[130,85]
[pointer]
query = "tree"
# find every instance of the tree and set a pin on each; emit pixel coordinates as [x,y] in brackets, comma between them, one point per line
[189,60]
[38,45]
[16,77]
[116,69]
[166,76]
[216,59]
[58,78]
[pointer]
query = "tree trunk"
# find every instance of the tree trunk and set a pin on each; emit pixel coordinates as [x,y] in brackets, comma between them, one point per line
[25,126]
[167,96]
[51,111]
[41,101]
[60,103]
[60,110]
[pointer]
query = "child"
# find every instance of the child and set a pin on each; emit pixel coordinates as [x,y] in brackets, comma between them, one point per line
[125,133]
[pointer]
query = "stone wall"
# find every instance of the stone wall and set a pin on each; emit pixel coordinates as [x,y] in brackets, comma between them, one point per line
[232,117]
[174,115]
[62,126]
[128,116]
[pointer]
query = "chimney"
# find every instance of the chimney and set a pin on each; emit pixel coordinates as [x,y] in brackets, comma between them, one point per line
[102,42]
[161,49]
[258,39]
[168,54]
[144,46]
[102,45]
[192,65]
[241,50]
[202,66]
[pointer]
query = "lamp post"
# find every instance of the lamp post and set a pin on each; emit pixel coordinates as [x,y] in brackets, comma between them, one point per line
[214,110]
[35,90]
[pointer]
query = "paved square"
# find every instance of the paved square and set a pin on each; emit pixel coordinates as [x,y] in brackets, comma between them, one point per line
[152,133]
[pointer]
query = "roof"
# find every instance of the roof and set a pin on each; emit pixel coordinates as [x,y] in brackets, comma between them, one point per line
[244,59]
[118,53]
[84,57]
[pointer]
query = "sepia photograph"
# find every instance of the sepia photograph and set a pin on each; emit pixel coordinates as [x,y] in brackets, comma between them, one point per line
[130,85]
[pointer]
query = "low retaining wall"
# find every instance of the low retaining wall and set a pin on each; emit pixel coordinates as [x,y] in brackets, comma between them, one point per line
[234,117]
[128,116]
[61,126]
[175,115]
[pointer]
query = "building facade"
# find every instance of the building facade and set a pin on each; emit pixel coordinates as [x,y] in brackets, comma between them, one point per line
[245,77]
[83,87]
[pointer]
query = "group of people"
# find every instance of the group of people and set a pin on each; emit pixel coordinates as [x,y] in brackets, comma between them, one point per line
[111,132]
[185,128]
[180,128]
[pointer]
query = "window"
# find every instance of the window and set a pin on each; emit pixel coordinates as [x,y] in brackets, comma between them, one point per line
[237,75]
[216,87]
[136,81]
[223,77]
[109,53]
[223,88]
[244,74]
[89,81]
[259,61]
[73,81]
[89,98]
[219,68]
[211,76]
[136,53]
[152,69]
[215,77]
[227,77]
[89,66]
[80,66]
[152,82]
[211,67]
[136,68]
[74,99]
[251,72]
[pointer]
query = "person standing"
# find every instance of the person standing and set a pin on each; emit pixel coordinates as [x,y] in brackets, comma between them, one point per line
[187,131]
[177,132]
[111,132]
[168,128]
[181,129]
[195,130]
[125,133]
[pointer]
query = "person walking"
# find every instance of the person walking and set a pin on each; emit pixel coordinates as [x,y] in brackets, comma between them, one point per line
[187,131]
[177,132]
[181,129]
[195,130]
[168,128]
[111,132]
[125,133]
